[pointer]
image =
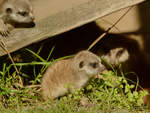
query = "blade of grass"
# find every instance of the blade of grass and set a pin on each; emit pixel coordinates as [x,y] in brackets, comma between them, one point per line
[39,50]
[32,63]
[50,53]
[35,54]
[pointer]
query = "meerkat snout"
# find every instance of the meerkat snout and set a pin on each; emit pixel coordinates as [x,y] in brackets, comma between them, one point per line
[75,71]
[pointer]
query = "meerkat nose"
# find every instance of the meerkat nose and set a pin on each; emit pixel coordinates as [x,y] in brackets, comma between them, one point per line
[31,16]
[101,69]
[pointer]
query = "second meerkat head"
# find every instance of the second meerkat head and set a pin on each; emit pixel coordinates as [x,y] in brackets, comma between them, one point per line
[117,55]
[18,11]
[87,62]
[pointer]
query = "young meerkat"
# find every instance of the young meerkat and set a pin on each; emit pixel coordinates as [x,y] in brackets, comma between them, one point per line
[15,13]
[117,55]
[66,76]
[128,52]
[138,63]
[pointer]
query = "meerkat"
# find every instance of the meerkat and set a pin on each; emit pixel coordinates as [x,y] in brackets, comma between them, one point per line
[138,64]
[116,55]
[67,75]
[128,53]
[15,13]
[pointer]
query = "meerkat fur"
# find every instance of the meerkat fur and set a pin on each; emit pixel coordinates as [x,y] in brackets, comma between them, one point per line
[66,76]
[14,12]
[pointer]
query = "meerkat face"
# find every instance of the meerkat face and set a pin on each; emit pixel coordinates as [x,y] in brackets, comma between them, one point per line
[90,67]
[88,63]
[19,11]
[117,55]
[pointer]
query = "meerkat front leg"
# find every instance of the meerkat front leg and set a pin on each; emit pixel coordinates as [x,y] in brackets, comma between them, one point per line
[4,29]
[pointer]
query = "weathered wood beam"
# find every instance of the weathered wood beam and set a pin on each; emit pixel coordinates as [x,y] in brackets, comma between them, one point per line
[63,21]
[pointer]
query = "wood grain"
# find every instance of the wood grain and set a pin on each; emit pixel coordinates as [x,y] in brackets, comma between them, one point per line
[62,21]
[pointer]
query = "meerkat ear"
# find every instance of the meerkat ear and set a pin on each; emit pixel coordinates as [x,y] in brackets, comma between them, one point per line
[9,10]
[81,64]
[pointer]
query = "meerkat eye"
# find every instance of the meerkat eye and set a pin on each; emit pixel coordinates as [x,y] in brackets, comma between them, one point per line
[120,53]
[81,64]
[8,10]
[94,64]
[23,13]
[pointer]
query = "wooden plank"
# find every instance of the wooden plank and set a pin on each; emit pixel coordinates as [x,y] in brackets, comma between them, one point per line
[64,20]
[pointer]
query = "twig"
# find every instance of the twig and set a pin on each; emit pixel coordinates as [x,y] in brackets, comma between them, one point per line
[106,32]
[3,45]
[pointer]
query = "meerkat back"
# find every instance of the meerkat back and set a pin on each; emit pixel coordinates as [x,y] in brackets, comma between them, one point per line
[54,78]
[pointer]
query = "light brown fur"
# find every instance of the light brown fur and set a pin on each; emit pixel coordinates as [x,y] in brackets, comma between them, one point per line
[15,13]
[117,55]
[68,75]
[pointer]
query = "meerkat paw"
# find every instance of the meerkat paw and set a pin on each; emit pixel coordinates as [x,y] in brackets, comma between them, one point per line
[4,30]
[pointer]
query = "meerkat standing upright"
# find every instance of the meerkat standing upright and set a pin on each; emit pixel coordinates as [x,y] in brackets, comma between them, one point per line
[13,12]
[68,75]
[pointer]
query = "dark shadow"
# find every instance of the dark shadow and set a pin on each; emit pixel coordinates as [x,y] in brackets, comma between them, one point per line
[138,61]
[144,15]
[72,41]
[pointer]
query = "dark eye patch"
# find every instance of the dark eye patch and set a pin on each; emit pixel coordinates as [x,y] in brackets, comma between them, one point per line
[23,13]
[81,64]
[9,10]
[94,64]
[120,52]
